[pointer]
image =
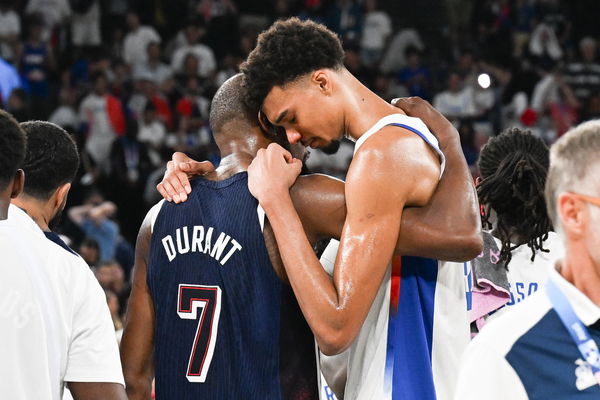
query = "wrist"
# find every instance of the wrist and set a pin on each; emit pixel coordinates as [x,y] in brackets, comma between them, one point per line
[273,199]
[449,142]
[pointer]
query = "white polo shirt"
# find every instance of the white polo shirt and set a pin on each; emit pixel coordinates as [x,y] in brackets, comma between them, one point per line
[55,326]
[527,353]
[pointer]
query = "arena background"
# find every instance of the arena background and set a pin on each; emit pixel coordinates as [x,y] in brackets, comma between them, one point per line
[133,92]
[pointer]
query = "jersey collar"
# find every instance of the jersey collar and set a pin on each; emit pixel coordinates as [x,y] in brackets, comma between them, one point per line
[585,309]
[18,217]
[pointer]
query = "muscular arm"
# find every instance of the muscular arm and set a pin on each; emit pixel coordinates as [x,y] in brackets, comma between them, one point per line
[447,228]
[375,196]
[138,336]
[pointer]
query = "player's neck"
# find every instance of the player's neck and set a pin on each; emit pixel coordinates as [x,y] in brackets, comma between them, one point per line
[35,209]
[364,108]
[231,164]
[580,270]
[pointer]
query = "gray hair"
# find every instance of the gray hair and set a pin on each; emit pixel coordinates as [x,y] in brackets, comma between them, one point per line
[571,160]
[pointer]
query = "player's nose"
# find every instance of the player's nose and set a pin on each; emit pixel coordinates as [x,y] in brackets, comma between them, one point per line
[293,136]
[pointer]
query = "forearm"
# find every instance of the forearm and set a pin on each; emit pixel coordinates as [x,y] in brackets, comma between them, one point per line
[137,360]
[78,213]
[138,389]
[319,305]
[448,228]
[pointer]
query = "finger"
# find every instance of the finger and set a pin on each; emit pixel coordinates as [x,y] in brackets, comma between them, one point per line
[163,192]
[287,156]
[197,168]
[170,166]
[179,157]
[297,165]
[178,180]
[171,191]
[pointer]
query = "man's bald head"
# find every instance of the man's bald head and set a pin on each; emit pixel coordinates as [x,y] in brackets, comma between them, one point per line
[227,107]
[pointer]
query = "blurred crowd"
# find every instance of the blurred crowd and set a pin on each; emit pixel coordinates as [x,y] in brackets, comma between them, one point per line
[132,81]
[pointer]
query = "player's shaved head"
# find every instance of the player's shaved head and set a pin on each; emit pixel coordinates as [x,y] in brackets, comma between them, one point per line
[227,107]
[231,118]
[12,148]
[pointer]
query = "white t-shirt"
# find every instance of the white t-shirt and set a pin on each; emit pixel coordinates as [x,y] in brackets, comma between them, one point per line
[136,43]
[9,25]
[456,104]
[377,28]
[526,277]
[206,59]
[56,326]
[94,112]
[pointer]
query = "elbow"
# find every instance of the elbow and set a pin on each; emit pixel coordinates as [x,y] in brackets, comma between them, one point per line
[468,246]
[334,343]
[137,388]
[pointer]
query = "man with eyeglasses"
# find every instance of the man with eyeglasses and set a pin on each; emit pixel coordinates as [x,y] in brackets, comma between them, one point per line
[547,347]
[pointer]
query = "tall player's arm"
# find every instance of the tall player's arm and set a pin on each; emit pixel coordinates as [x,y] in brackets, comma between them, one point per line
[137,344]
[447,228]
[379,185]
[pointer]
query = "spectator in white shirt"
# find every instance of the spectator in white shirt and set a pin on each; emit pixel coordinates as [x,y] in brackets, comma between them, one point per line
[457,101]
[54,13]
[85,24]
[153,69]
[10,29]
[136,41]
[205,56]
[377,28]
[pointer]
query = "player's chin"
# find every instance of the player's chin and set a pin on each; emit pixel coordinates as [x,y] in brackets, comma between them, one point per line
[331,147]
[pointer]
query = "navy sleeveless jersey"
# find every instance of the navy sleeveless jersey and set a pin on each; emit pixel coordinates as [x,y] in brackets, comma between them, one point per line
[219,303]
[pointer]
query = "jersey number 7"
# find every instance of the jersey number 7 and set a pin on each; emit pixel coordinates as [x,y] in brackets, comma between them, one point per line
[208,300]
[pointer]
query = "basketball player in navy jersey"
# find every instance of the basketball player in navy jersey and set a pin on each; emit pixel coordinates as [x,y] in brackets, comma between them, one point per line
[296,78]
[207,260]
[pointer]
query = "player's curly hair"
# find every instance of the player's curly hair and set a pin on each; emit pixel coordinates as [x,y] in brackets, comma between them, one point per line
[12,148]
[513,167]
[287,50]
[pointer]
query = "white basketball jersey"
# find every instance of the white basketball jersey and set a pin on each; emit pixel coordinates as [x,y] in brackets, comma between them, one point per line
[417,327]
[525,276]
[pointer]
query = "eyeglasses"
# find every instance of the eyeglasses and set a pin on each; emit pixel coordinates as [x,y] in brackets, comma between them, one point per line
[589,199]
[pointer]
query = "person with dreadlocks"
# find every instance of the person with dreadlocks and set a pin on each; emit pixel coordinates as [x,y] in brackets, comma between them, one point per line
[513,167]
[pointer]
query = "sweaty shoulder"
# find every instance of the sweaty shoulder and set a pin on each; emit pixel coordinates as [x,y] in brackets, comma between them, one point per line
[398,155]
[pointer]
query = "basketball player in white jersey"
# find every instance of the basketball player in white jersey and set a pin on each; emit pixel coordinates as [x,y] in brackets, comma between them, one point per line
[513,169]
[296,79]
[56,328]
[457,189]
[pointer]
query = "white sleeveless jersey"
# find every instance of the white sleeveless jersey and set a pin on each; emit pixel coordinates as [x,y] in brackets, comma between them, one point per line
[525,276]
[411,342]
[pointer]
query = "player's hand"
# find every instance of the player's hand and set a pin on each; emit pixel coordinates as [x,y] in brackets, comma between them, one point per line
[272,173]
[439,125]
[175,185]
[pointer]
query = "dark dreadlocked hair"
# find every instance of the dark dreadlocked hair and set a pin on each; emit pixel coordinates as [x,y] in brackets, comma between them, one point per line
[513,170]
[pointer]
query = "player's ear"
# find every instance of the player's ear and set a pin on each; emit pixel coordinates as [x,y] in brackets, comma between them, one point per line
[61,193]
[322,78]
[18,184]
[573,214]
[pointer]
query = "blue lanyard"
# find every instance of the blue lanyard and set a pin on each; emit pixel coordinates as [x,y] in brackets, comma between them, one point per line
[578,331]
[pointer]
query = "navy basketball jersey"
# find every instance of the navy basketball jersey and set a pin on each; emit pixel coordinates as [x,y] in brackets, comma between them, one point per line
[217,299]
